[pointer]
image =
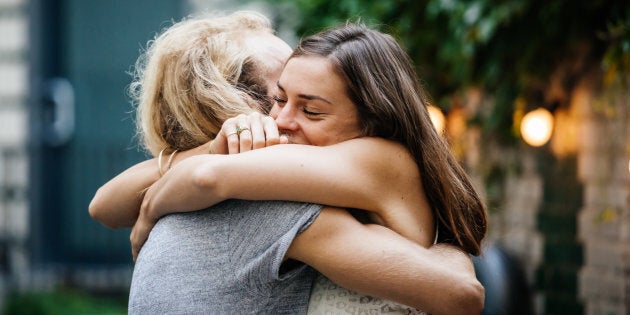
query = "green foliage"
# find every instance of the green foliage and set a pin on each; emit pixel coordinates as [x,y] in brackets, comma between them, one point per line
[510,48]
[617,56]
[66,302]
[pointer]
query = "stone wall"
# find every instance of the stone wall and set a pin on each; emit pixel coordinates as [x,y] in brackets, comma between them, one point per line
[604,220]
[556,277]
[533,207]
[510,180]
[566,211]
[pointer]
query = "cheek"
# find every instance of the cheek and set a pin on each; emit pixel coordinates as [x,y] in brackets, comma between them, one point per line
[311,133]
[350,129]
[326,134]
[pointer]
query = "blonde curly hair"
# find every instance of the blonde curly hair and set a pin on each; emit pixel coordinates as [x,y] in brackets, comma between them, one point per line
[193,76]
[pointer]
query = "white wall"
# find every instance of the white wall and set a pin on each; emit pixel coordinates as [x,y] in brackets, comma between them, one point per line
[13,135]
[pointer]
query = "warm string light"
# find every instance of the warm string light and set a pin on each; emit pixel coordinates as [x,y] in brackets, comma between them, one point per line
[437,118]
[536,127]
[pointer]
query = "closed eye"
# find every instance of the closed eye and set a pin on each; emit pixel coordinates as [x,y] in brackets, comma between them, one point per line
[309,113]
[278,99]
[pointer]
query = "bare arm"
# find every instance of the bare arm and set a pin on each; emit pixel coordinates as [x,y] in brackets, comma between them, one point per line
[369,173]
[116,204]
[374,260]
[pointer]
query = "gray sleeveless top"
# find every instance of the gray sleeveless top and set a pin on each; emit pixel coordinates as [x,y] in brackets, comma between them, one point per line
[224,260]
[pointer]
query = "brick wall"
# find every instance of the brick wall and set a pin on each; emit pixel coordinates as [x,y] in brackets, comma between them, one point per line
[604,220]
[514,197]
[565,210]
[13,119]
[556,277]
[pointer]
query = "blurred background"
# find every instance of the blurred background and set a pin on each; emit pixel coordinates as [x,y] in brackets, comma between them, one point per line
[534,97]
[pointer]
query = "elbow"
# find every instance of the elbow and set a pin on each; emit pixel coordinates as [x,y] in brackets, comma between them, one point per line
[95,208]
[470,297]
[101,211]
[98,212]
[475,297]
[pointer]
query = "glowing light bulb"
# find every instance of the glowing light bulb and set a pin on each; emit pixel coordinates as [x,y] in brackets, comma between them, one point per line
[437,118]
[536,127]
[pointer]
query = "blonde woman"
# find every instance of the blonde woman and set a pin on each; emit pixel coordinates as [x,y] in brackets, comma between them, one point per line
[194,76]
[174,259]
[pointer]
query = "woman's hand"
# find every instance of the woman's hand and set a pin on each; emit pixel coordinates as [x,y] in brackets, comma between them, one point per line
[140,232]
[176,191]
[238,134]
[246,132]
[155,195]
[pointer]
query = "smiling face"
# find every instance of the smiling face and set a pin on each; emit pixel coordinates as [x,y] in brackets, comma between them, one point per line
[312,105]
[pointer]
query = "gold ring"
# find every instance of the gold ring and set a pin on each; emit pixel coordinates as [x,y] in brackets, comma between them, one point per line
[231,133]
[240,129]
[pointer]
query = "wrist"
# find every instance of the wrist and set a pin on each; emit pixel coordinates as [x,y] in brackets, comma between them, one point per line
[151,215]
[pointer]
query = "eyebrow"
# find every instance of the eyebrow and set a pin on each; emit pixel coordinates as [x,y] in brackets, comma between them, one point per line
[306,96]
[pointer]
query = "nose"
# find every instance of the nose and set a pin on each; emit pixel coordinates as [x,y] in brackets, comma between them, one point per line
[285,117]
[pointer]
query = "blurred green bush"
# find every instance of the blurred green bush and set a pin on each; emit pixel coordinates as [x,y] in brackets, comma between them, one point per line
[63,301]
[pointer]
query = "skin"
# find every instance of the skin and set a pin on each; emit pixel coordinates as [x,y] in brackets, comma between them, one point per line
[306,106]
[274,51]
[415,277]
[309,104]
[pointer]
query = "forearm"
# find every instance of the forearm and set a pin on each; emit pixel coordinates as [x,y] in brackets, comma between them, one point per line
[325,175]
[346,175]
[183,188]
[411,275]
[333,175]
[116,204]
[374,260]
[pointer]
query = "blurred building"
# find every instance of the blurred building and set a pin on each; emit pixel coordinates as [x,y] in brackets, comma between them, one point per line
[14,204]
[66,128]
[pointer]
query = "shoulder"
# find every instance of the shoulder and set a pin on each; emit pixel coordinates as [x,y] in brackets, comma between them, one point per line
[371,143]
[387,157]
[373,148]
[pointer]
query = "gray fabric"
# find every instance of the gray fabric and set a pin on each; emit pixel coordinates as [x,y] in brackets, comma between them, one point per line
[224,260]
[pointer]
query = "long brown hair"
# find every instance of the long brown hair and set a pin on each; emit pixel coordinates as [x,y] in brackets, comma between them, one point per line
[391,104]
